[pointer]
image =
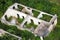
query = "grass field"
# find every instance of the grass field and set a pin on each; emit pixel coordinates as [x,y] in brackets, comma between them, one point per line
[43,5]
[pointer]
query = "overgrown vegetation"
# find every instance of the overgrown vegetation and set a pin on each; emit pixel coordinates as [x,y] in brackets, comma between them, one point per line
[13,29]
[30,25]
[46,18]
[8,19]
[43,5]
[35,13]
[20,20]
[8,37]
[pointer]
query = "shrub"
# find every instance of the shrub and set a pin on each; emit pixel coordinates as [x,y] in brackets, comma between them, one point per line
[20,20]
[8,19]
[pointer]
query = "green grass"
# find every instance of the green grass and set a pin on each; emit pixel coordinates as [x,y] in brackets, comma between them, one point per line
[19,8]
[46,18]
[35,13]
[14,30]
[8,37]
[30,25]
[54,35]
[43,5]
[8,19]
[55,1]
[20,20]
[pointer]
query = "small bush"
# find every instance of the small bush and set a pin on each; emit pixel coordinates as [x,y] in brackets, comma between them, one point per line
[8,19]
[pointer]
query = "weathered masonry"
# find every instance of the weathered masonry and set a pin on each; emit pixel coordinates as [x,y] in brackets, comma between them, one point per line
[26,18]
